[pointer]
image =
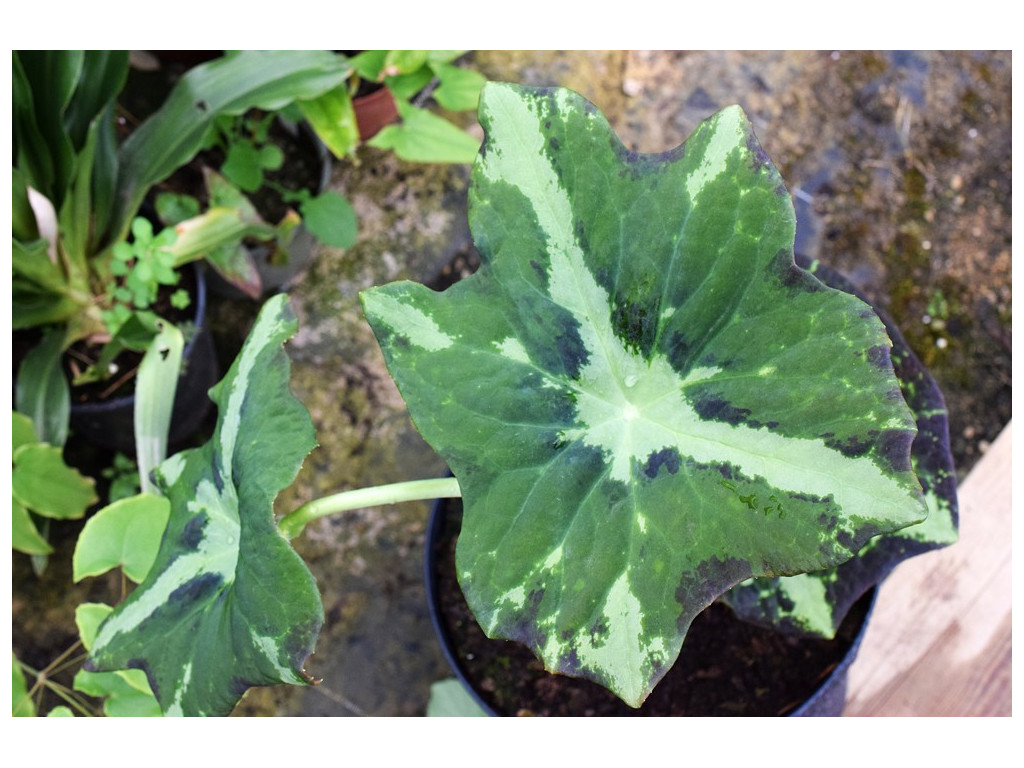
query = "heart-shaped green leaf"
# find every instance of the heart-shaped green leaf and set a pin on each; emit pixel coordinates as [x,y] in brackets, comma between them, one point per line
[331,219]
[228,604]
[459,89]
[423,137]
[23,432]
[125,693]
[244,166]
[125,533]
[25,537]
[43,483]
[644,400]
[449,698]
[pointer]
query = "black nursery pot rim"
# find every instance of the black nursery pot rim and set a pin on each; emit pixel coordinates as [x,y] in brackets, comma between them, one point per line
[934,460]
[827,699]
[117,403]
[435,524]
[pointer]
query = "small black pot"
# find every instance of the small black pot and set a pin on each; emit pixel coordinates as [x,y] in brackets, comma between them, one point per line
[111,423]
[931,450]
[827,700]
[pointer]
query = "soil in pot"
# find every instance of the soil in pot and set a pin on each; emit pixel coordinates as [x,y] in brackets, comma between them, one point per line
[306,167]
[303,168]
[726,667]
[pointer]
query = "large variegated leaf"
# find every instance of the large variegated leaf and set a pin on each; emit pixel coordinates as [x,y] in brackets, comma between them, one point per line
[816,603]
[644,400]
[227,604]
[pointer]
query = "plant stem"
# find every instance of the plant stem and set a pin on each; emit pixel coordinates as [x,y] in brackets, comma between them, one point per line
[294,522]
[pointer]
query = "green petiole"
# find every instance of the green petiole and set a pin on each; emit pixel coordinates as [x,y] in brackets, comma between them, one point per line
[294,522]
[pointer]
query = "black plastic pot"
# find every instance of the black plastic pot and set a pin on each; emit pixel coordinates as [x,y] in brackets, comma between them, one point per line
[111,423]
[931,450]
[827,700]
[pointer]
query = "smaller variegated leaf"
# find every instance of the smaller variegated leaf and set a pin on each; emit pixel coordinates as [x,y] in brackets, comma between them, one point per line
[228,604]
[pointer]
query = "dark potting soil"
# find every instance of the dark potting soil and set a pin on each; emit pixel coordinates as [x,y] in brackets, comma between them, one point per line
[726,666]
[303,169]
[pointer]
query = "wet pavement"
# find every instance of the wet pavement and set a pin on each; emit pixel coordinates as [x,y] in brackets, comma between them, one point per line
[899,164]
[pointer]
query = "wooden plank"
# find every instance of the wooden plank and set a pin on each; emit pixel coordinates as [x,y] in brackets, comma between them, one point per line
[939,641]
